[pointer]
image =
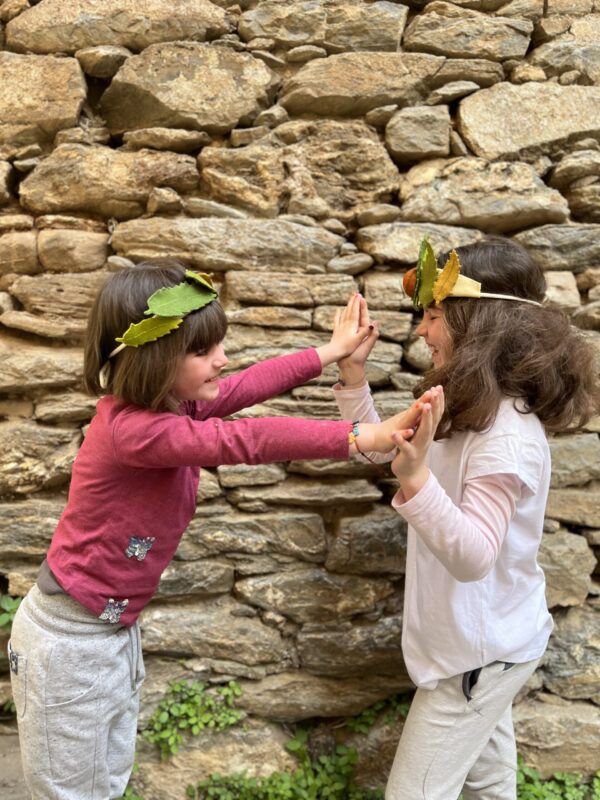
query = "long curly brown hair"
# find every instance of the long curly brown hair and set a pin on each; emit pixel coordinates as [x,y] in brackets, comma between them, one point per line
[501,348]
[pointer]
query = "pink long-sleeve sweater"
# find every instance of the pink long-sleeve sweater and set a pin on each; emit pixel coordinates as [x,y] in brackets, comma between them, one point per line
[135,478]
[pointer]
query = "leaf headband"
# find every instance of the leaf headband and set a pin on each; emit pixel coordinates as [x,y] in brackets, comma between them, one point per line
[166,309]
[427,284]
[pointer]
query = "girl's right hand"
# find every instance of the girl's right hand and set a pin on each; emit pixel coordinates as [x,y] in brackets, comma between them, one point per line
[380,436]
[410,466]
[352,367]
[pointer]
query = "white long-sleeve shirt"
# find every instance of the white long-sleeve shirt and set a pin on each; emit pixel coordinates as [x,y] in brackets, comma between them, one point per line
[474,591]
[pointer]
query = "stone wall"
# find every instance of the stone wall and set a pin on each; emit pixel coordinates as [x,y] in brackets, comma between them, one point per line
[298,150]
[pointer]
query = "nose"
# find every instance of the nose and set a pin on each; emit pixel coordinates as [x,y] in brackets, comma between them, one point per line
[220,359]
[421,328]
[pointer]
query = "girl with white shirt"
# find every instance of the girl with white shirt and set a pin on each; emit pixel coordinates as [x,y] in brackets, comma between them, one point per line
[473,484]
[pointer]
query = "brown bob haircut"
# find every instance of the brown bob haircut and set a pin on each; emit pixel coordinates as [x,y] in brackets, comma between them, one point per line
[144,375]
[502,348]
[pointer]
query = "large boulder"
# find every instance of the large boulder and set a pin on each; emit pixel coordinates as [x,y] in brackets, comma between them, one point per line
[39,96]
[445,29]
[351,84]
[100,180]
[322,168]
[494,196]
[527,121]
[64,26]
[214,244]
[336,26]
[216,89]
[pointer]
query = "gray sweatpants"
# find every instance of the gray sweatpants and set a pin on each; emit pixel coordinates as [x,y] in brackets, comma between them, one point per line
[76,682]
[451,744]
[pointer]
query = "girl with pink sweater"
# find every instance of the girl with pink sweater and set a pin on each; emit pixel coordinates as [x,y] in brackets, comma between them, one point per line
[155,352]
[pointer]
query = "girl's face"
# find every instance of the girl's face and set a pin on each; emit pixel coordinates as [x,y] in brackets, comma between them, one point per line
[197,376]
[436,334]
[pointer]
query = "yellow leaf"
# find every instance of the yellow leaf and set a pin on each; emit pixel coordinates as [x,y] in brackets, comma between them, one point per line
[447,278]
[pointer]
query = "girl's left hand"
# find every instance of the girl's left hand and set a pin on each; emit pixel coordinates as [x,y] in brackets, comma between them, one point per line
[348,333]
[409,465]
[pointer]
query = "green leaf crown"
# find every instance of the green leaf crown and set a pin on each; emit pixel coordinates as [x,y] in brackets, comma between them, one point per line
[168,306]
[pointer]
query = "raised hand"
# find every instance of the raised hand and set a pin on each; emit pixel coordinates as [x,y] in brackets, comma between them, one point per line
[409,465]
[352,367]
[348,333]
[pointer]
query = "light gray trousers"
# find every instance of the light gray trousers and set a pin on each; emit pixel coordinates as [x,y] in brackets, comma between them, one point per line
[451,744]
[76,682]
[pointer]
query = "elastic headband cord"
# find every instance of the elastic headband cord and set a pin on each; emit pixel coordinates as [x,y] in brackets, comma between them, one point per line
[166,310]
[511,297]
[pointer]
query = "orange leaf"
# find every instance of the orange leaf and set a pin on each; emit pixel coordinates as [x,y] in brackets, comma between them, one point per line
[447,278]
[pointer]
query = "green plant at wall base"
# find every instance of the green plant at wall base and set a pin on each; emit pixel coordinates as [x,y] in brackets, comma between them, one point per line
[8,609]
[327,777]
[190,707]
[394,707]
[560,787]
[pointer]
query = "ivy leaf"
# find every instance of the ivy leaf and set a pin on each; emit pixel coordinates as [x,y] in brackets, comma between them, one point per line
[176,301]
[428,265]
[149,330]
[447,278]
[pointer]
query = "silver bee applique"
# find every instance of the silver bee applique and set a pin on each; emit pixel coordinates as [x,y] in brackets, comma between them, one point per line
[113,610]
[139,547]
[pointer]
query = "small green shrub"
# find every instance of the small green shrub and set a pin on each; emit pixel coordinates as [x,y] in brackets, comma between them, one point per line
[326,777]
[560,787]
[8,609]
[190,707]
[394,707]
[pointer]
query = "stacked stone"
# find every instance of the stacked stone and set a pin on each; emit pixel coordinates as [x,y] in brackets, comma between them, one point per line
[299,151]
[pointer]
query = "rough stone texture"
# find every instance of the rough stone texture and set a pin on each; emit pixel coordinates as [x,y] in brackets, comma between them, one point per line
[571,666]
[359,649]
[575,506]
[25,366]
[557,736]
[321,168]
[35,457]
[444,29]
[568,247]
[218,629]
[27,527]
[370,545]
[575,459]
[418,133]
[72,251]
[354,83]
[526,121]
[398,242]
[224,244]
[69,25]
[295,289]
[99,180]
[334,26]
[39,95]
[300,535]
[313,594]
[216,89]
[18,253]
[500,196]
[294,696]
[55,305]
[259,749]
[567,562]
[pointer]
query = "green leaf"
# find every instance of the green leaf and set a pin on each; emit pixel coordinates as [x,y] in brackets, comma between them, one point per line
[427,267]
[149,330]
[176,301]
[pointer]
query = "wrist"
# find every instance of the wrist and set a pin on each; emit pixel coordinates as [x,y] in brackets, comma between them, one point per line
[328,353]
[351,376]
[412,484]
